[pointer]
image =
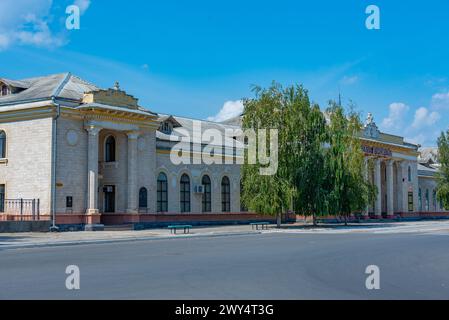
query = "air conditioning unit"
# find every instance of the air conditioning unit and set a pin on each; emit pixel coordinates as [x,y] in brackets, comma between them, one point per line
[199,189]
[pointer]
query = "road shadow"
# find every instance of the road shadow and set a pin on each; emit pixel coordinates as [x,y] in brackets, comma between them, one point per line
[334,226]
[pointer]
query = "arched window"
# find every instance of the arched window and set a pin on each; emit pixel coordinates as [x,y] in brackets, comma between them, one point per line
[143,198]
[427,200]
[243,208]
[109,149]
[185,193]
[409,174]
[207,195]
[162,196]
[225,195]
[2,144]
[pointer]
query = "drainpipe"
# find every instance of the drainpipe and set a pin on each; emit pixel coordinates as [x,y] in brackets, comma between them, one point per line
[53,167]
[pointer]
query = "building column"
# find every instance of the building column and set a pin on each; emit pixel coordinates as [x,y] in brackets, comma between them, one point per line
[133,200]
[366,167]
[404,186]
[378,184]
[92,169]
[415,185]
[390,193]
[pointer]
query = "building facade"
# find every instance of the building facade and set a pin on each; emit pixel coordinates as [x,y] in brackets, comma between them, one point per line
[400,174]
[90,156]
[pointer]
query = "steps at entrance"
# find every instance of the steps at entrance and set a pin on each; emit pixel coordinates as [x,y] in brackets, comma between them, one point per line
[119,227]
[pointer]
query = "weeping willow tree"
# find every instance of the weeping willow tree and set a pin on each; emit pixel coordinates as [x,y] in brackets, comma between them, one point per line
[349,191]
[320,167]
[301,133]
[443,173]
[307,131]
[267,194]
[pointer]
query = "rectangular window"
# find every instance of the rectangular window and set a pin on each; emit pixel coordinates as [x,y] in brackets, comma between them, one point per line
[410,201]
[434,200]
[2,198]
[420,200]
[69,202]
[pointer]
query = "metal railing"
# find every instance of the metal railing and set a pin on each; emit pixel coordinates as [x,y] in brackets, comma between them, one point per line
[25,209]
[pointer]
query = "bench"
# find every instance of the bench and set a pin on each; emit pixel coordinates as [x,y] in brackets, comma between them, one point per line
[185,227]
[257,224]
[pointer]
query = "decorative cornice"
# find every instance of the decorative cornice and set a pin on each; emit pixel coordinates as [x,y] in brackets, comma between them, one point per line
[394,148]
[145,121]
[28,114]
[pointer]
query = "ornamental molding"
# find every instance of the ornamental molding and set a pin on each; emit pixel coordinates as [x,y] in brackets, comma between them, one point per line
[370,129]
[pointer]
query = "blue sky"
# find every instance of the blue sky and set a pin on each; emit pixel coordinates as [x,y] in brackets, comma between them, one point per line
[195,58]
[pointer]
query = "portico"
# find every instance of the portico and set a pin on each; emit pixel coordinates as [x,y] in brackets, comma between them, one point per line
[93,162]
[111,167]
[391,167]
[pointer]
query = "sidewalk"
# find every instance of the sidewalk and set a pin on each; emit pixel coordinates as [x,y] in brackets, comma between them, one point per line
[41,239]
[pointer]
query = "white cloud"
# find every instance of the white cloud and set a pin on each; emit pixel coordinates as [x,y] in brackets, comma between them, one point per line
[348,80]
[394,121]
[440,101]
[83,5]
[425,138]
[418,139]
[27,22]
[4,42]
[425,118]
[229,110]
[417,125]
[39,34]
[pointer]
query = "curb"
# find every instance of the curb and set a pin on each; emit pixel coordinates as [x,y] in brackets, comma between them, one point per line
[123,240]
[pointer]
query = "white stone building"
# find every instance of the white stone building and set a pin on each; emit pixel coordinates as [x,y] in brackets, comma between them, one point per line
[88,156]
[400,174]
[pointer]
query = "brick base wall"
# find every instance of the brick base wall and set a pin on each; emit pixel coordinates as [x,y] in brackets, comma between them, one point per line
[160,219]
[396,216]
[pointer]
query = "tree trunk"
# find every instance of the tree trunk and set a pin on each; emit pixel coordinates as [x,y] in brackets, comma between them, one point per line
[346,220]
[278,220]
[314,219]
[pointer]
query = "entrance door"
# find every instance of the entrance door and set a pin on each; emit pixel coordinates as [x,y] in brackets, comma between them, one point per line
[109,199]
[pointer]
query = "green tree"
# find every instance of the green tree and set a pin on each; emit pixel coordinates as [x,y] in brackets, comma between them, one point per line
[301,136]
[307,134]
[349,192]
[267,194]
[443,173]
[320,165]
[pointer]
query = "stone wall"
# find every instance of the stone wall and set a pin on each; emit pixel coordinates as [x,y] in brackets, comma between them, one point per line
[196,172]
[71,169]
[26,170]
[428,184]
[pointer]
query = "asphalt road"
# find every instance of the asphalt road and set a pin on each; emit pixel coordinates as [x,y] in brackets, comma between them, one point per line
[266,266]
